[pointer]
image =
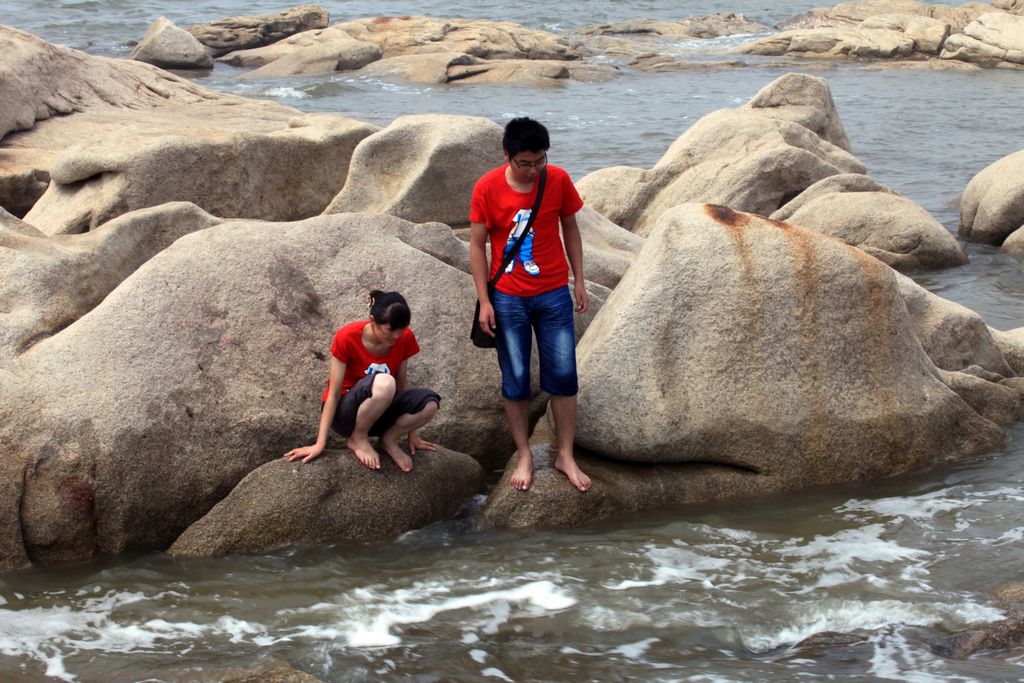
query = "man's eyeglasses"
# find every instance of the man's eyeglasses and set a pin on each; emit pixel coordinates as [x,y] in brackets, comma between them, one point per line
[539,163]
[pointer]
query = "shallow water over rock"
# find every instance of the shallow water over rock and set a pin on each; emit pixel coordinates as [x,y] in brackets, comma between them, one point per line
[726,592]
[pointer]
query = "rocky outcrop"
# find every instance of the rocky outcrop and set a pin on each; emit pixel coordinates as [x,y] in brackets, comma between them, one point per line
[50,282]
[462,68]
[1013,6]
[995,39]
[332,498]
[246,32]
[169,47]
[421,168]
[709,26]
[755,158]
[853,13]
[397,36]
[1000,636]
[867,215]
[283,175]
[992,206]
[834,42]
[928,34]
[310,53]
[208,361]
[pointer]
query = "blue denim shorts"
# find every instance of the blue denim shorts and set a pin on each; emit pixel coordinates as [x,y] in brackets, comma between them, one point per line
[550,315]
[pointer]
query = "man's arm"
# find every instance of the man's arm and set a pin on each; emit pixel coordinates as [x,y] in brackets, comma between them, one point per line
[574,251]
[478,266]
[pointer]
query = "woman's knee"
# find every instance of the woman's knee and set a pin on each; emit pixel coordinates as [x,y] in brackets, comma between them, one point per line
[384,385]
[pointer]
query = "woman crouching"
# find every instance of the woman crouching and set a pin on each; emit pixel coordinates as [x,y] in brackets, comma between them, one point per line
[369,374]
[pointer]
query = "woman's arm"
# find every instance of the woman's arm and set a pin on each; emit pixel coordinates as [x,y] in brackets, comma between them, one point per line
[574,250]
[307,453]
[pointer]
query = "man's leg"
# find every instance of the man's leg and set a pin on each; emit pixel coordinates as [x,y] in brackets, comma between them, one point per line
[564,410]
[556,344]
[372,408]
[514,337]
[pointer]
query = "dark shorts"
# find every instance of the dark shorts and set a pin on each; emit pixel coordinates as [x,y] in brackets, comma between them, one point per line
[410,401]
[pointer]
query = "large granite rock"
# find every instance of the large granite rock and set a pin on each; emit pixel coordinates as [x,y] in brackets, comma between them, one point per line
[50,282]
[169,47]
[283,175]
[1013,6]
[421,168]
[245,32]
[458,67]
[928,34]
[477,37]
[309,53]
[787,354]
[332,498]
[992,206]
[873,43]
[59,98]
[867,215]
[130,424]
[999,637]
[755,158]
[995,39]
[705,27]
[853,13]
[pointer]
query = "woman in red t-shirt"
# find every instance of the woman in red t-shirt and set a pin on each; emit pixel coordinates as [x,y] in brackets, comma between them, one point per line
[368,390]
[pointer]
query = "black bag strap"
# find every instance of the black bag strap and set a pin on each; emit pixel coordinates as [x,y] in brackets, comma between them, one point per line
[514,251]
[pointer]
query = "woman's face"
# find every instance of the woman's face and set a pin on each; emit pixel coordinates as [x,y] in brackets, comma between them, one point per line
[384,333]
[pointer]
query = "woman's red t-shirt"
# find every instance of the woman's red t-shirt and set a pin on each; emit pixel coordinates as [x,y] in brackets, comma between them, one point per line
[348,348]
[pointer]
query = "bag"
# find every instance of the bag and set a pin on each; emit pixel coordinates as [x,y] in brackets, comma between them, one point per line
[479,337]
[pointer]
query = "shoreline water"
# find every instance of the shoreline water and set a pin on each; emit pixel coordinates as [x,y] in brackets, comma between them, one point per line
[724,591]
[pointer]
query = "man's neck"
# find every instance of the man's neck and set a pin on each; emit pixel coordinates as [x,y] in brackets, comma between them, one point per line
[514,184]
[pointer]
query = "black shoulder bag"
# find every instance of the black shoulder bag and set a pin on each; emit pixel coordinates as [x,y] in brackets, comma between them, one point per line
[481,338]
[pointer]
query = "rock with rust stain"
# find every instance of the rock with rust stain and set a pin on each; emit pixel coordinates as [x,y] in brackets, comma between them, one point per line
[767,348]
[335,497]
[754,158]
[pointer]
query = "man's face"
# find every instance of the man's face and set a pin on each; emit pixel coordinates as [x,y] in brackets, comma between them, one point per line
[526,165]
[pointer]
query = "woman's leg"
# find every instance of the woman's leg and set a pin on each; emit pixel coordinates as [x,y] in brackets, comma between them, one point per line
[406,423]
[381,396]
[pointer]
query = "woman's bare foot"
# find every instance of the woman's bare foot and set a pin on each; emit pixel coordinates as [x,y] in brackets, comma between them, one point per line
[569,468]
[400,457]
[364,451]
[522,475]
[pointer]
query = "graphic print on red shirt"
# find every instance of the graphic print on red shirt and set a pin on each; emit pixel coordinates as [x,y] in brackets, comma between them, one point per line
[541,265]
[348,348]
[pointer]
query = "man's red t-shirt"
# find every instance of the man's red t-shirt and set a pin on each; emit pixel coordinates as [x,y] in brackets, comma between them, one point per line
[541,265]
[348,348]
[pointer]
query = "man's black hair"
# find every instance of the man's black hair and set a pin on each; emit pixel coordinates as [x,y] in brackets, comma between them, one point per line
[525,135]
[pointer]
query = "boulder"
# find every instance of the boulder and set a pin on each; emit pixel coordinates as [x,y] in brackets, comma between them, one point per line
[995,39]
[710,26]
[310,53]
[872,43]
[608,250]
[421,168]
[1013,6]
[477,37]
[246,32]
[60,98]
[459,67]
[928,34]
[130,424]
[1011,345]
[753,158]
[992,206]
[169,47]
[333,498]
[886,225]
[50,282]
[853,13]
[953,336]
[787,354]
[802,99]
[1000,636]
[999,402]
[282,175]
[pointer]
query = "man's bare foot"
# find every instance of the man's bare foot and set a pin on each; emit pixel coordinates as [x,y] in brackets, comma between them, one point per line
[401,458]
[522,475]
[364,451]
[569,468]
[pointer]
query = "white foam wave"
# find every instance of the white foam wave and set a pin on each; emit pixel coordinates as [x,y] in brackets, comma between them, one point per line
[284,92]
[677,565]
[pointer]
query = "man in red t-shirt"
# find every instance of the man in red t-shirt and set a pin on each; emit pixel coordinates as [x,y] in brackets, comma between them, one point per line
[532,295]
